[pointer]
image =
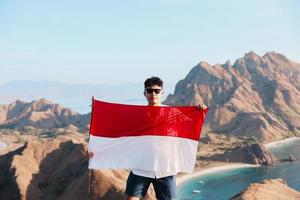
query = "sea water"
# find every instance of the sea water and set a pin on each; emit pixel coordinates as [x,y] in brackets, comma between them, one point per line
[227,183]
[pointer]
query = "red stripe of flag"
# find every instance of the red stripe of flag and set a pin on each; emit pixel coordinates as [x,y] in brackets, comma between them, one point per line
[119,120]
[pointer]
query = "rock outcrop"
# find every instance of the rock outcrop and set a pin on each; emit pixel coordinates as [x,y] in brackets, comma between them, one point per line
[275,189]
[250,153]
[41,114]
[290,158]
[256,96]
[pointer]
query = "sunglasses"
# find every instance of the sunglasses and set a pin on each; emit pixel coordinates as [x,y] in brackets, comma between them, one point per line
[150,90]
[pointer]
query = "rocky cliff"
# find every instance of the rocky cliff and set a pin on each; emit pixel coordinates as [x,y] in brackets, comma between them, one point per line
[250,153]
[255,96]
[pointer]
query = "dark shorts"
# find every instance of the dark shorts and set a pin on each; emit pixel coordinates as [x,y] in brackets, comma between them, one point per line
[165,188]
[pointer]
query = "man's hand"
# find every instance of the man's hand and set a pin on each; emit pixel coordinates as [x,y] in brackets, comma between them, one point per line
[90,154]
[201,106]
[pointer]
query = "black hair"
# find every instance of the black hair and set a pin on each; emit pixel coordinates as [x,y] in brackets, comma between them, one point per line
[153,81]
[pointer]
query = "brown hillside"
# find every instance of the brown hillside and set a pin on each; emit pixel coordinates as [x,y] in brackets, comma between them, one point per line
[275,189]
[256,96]
[57,169]
[41,114]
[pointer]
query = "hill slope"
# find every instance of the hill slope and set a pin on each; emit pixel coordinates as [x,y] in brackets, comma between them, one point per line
[256,96]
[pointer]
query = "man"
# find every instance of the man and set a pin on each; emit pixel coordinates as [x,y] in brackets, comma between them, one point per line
[139,181]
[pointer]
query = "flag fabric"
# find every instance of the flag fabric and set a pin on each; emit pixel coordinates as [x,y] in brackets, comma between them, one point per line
[160,139]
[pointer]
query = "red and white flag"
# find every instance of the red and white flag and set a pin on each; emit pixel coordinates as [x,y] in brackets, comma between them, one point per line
[150,138]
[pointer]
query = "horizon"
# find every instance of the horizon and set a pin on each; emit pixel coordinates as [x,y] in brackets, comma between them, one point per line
[117,42]
[126,81]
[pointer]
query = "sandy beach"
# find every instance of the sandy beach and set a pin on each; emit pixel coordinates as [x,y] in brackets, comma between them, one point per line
[281,142]
[213,169]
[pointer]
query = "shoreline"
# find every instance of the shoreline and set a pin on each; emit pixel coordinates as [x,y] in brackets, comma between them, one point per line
[212,169]
[281,142]
[229,166]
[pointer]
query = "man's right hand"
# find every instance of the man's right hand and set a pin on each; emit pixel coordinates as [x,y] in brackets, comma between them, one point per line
[90,154]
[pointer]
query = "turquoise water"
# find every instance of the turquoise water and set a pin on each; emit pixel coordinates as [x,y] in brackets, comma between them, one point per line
[225,184]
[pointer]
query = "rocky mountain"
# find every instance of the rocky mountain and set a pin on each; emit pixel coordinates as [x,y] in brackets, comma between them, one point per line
[275,189]
[250,153]
[41,114]
[58,169]
[256,96]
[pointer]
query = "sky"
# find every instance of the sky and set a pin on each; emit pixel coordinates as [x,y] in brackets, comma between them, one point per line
[112,42]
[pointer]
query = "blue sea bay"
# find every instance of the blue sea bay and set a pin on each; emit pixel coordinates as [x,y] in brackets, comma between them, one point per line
[227,183]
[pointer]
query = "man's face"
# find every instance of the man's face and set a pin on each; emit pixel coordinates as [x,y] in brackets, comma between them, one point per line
[153,94]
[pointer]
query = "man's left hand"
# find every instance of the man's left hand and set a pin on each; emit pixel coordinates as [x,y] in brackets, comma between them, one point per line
[201,106]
